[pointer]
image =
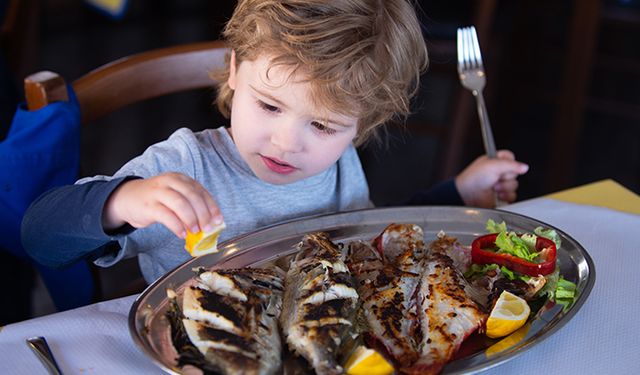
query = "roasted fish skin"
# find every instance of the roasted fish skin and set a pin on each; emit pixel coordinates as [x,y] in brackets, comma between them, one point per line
[231,317]
[415,299]
[319,304]
[449,246]
[401,244]
[387,278]
[460,256]
[447,314]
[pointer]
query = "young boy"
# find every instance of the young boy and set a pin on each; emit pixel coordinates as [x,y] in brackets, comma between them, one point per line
[305,82]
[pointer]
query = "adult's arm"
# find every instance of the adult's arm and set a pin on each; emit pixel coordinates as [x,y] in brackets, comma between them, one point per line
[64,224]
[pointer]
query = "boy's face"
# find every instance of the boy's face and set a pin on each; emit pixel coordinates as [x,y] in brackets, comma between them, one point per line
[279,131]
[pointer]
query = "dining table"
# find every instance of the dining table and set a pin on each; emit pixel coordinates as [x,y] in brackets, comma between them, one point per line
[603,337]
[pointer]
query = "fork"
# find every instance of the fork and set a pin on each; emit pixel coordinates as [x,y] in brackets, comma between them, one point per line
[43,352]
[473,78]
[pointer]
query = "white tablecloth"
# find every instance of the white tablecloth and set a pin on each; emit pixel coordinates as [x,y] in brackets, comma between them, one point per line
[602,338]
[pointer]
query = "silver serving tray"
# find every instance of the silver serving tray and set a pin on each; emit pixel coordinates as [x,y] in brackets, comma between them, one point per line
[150,329]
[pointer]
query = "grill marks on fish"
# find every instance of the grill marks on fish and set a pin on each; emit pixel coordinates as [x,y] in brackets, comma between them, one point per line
[414,297]
[415,305]
[387,287]
[330,309]
[205,338]
[319,303]
[230,316]
[448,315]
[461,260]
[225,338]
[219,310]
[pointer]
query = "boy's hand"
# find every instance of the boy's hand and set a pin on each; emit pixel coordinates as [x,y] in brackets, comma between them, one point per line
[177,201]
[484,177]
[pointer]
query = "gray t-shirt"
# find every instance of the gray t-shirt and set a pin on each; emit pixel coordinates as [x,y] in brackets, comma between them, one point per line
[247,203]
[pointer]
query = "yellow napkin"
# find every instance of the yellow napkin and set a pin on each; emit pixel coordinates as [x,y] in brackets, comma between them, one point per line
[605,193]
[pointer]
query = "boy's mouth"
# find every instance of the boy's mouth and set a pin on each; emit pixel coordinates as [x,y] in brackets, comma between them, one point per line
[277,166]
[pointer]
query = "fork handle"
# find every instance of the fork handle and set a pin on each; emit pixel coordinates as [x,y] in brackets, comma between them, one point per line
[41,349]
[487,134]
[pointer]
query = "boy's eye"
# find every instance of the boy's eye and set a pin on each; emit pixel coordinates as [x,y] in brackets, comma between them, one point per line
[323,128]
[268,107]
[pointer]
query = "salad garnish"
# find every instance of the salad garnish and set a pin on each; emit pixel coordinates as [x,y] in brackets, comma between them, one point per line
[522,257]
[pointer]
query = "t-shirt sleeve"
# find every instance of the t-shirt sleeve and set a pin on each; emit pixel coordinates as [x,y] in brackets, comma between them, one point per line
[64,224]
[442,194]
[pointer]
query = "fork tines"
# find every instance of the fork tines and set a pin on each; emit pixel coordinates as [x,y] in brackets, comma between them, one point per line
[469,56]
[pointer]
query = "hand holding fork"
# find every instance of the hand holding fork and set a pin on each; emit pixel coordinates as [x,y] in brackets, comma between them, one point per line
[472,77]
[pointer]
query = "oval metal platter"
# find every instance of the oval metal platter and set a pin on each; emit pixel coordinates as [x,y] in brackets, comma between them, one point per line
[150,328]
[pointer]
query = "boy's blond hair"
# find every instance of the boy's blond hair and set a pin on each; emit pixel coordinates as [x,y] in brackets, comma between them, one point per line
[363,58]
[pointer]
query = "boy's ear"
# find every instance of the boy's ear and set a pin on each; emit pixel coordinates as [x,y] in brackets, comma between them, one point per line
[231,81]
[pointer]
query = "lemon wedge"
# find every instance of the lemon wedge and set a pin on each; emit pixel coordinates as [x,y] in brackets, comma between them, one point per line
[509,313]
[203,242]
[365,361]
[508,342]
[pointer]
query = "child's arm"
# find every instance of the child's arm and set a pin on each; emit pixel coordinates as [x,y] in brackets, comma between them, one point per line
[64,224]
[82,221]
[484,177]
[173,199]
[73,222]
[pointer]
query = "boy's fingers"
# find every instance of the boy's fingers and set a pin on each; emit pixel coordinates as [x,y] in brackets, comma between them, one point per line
[167,217]
[205,207]
[195,206]
[506,186]
[507,196]
[196,196]
[506,190]
[506,155]
[181,207]
[216,215]
[509,176]
[510,168]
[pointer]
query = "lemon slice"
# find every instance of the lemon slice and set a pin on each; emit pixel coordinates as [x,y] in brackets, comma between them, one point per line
[201,243]
[508,342]
[509,313]
[365,361]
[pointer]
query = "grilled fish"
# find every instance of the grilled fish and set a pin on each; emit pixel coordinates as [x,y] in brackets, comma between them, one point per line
[230,316]
[447,314]
[414,298]
[477,290]
[387,275]
[320,303]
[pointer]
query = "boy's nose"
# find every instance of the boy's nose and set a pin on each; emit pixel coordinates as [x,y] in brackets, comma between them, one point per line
[287,137]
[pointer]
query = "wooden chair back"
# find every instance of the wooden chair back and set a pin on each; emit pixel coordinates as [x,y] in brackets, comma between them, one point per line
[131,79]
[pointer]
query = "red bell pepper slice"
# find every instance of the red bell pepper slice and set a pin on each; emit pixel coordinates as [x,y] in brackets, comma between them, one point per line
[481,254]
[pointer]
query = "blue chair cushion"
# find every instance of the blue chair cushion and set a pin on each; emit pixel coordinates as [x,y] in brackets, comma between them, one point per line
[40,152]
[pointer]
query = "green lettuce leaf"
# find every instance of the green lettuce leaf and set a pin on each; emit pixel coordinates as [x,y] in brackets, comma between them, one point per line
[508,273]
[479,270]
[548,233]
[510,243]
[493,227]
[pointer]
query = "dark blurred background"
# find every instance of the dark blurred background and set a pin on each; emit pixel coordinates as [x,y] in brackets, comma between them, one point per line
[562,91]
